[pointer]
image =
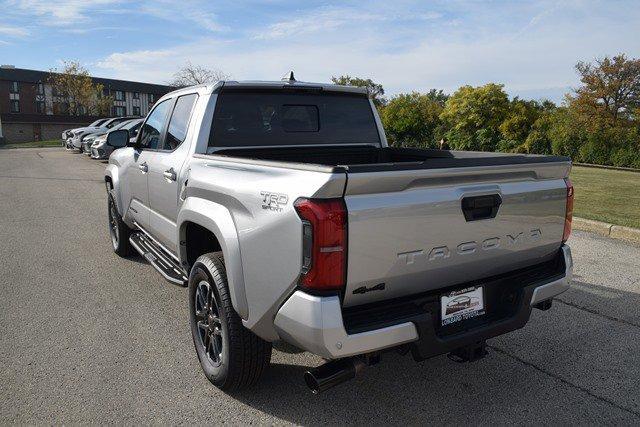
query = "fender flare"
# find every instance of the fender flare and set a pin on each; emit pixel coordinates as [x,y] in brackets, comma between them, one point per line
[111,172]
[217,219]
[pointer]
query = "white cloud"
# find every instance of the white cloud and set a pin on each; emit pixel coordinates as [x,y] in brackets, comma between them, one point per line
[330,18]
[532,52]
[185,12]
[59,12]
[11,31]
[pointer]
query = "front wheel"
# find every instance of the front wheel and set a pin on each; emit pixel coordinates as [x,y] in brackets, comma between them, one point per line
[231,356]
[118,230]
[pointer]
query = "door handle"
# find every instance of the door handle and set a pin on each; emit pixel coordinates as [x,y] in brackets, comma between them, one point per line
[170,174]
[481,207]
[144,167]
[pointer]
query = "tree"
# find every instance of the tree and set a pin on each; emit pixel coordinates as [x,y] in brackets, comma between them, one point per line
[376,91]
[610,90]
[191,75]
[516,127]
[412,119]
[474,115]
[75,92]
[438,96]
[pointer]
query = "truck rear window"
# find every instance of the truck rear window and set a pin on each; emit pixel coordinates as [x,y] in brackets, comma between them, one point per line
[263,118]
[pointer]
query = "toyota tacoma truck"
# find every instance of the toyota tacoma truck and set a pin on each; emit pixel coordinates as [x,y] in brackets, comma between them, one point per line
[293,223]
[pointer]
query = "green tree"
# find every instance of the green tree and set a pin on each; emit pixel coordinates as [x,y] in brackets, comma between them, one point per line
[566,134]
[75,92]
[412,119]
[438,96]
[474,115]
[376,91]
[538,141]
[516,127]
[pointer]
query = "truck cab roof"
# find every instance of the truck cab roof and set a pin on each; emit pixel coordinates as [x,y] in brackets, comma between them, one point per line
[263,84]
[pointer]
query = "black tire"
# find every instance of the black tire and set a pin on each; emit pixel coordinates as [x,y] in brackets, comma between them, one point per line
[118,230]
[239,356]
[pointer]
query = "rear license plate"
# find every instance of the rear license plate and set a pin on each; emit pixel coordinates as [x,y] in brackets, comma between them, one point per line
[461,305]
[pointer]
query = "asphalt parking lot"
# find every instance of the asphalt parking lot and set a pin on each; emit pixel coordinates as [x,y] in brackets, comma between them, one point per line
[86,336]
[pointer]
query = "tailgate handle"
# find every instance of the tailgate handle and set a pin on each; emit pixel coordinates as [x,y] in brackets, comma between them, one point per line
[481,207]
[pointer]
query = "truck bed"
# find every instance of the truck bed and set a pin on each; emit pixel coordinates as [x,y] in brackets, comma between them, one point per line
[367,158]
[416,221]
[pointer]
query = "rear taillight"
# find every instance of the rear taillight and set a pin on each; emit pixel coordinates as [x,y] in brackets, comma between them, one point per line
[568,216]
[324,239]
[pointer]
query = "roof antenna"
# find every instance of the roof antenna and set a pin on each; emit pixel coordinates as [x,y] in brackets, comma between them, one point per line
[289,78]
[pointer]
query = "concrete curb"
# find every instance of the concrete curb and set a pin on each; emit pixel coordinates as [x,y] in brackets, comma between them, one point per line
[606,229]
[615,168]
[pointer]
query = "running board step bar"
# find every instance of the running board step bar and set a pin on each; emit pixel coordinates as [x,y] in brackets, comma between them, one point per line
[158,258]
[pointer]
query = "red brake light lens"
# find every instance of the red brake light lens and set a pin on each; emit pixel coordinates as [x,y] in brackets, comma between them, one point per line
[569,211]
[324,243]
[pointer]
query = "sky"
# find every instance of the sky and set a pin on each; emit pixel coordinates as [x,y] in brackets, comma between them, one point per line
[529,46]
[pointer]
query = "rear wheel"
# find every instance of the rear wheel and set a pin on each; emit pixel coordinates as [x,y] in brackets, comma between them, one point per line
[118,230]
[232,357]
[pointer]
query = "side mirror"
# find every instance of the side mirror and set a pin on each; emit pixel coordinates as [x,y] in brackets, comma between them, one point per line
[118,138]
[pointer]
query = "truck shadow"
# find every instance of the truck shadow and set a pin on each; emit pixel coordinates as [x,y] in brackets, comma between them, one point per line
[505,387]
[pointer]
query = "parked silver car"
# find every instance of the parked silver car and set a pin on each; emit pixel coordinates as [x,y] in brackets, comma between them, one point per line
[89,139]
[76,140]
[100,150]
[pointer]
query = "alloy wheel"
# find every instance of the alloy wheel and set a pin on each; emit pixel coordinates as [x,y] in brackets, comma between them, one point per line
[209,324]
[113,224]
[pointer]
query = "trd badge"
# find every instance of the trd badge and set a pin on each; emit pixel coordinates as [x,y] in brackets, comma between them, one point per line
[273,201]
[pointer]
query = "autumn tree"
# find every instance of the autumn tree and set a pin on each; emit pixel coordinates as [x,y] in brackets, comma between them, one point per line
[191,75]
[610,91]
[376,91]
[75,92]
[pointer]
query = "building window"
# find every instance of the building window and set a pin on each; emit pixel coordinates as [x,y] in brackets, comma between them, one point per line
[136,111]
[119,95]
[152,98]
[40,107]
[14,87]
[136,95]
[119,111]
[15,106]
[40,89]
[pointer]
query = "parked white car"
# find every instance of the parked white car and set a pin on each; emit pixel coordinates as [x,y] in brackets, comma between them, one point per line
[68,134]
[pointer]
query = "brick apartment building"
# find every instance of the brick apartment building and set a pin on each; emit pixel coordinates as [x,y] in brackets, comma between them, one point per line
[30,111]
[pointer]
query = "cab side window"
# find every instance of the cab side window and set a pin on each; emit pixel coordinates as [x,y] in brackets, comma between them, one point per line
[179,121]
[152,128]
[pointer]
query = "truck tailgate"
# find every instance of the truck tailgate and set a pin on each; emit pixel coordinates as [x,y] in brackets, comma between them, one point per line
[407,229]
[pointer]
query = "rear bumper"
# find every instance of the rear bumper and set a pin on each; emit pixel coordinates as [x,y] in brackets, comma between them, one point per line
[317,324]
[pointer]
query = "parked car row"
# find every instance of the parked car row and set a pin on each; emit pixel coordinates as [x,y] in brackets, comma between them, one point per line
[91,139]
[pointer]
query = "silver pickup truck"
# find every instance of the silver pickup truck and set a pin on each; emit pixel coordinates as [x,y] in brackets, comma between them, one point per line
[292,222]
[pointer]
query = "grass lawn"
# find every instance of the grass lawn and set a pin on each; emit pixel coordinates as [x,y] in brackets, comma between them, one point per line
[607,195]
[34,144]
